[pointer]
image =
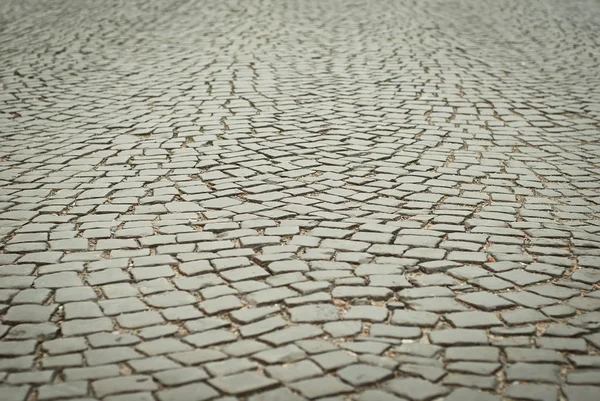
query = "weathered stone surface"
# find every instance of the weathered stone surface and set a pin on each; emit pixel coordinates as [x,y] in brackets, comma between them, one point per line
[121,384]
[361,374]
[242,383]
[367,313]
[365,200]
[376,293]
[277,394]
[334,359]
[532,391]
[294,371]
[63,390]
[321,387]
[416,389]
[314,313]
[28,314]
[195,392]
[414,318]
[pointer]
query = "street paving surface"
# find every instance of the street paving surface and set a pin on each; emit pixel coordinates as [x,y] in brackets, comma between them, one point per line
[300,200]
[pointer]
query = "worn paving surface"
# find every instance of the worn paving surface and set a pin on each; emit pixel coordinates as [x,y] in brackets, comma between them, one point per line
[292,200]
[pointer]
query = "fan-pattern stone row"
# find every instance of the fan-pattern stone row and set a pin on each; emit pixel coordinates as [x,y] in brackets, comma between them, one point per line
[299,200]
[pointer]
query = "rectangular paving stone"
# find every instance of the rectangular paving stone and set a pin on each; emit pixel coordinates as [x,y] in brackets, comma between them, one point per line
[538,372]
[28,313]
[244,273]
[104,387]
[170,299]
[191,392]
[271,295]
[220,304]
[73,244]
[283,354]
[15,393]
[120,290]
[476,353]
[195,267]
[110,244]
[16,348]
[30,377]
[293,372]
[26,331]
[139,319]
[532,391]
[61,361]
[106,356]
[458,337]
[485,301]
[152,364]
[242,383]
[118,306]
[180,376]
[321,387]
[60,267]
[58,280]
[139,396]
[49,257]
[16,282]
[473,319]
[79,327]
[63,390]
[253,314]
[64,345]
[197,282]
[314,313]
[107,276]
[19,363]
[180,313]
[291,334]
[575,345]
[210,337]
[334,359]
[230,366]
[197,356]
[375,293]
[162,346]
[91,373]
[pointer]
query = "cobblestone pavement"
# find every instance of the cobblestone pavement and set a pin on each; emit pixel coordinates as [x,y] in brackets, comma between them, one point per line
[300,200]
